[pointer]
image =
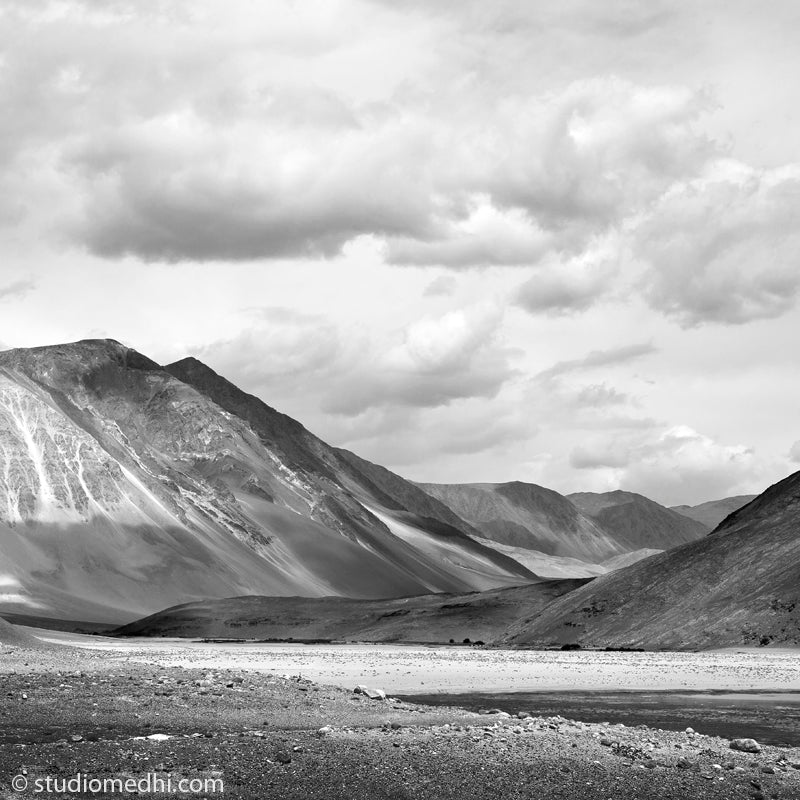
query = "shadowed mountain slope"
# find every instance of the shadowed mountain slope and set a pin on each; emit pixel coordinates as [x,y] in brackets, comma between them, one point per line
[636,522]
[429,618]
[524,515]
[713,512]
[12,636]
[125,489]
[738,585]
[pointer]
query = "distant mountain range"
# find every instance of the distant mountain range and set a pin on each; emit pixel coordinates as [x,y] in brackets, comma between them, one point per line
[636,522]
[713,512]
[739,585]
[127,487]
[582,534]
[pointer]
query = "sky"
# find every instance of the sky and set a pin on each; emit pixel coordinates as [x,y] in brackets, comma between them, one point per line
[555,242]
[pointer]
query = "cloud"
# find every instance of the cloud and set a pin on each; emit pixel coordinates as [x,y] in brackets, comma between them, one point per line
[279,345]
[599,358]
[572,285]
[794,452]
[203,132]
[432,362]
[671,465]
[600,395]
[16,289]
[724,248]
[442,286]
[439,360]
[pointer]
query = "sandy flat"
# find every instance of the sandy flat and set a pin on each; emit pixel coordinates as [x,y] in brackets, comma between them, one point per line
[409,669]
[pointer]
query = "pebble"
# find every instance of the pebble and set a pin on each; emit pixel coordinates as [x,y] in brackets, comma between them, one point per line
[745,745]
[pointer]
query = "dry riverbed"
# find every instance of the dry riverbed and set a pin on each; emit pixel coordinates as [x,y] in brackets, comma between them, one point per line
[271,734]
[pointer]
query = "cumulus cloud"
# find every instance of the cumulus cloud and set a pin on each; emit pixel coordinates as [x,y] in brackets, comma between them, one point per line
[672,465]
[205,132]
[280,344]
[572,285]
[439,360]
[431,363]
[724,248]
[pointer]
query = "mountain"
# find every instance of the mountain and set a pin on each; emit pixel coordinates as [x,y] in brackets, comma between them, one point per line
[527,516]
[477,616]
[740,585]
[713,512]
[126,487]
[637,522]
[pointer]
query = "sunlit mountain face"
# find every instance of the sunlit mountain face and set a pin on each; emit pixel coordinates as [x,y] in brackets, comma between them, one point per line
[126,487]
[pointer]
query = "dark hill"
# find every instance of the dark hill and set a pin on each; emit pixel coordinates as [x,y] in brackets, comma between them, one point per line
[740,585]
[429,618]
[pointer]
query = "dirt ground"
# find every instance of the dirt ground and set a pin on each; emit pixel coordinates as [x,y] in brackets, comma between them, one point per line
[67,712]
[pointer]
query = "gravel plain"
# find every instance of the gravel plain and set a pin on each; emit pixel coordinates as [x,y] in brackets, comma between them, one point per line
[272,730]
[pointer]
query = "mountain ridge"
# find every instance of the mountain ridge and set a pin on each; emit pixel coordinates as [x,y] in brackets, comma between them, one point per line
[739,585]
[124,487]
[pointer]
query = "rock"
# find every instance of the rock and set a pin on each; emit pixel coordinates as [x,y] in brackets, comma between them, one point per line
[360,689]
[745,745]
[683,763]
[325,730]
[283,757]
[375,694]
[768,769]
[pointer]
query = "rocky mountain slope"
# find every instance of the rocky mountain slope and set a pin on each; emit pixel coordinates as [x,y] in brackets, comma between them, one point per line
[126,487]
[636,522]
[738,585]
[528,516]
[429,618]
[713,512]
[581,535]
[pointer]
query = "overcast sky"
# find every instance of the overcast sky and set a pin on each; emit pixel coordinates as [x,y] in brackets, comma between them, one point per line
[555,242]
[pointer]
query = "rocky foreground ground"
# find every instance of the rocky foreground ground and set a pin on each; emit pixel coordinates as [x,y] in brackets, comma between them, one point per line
[65,712]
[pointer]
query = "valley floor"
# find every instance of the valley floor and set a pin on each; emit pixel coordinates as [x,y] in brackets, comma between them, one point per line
[266,734]
[423,668]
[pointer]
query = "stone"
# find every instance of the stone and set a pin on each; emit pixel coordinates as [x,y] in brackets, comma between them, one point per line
[745,745]
[325,730]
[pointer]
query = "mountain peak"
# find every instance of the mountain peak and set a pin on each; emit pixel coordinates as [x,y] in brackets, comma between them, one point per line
[84,357]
